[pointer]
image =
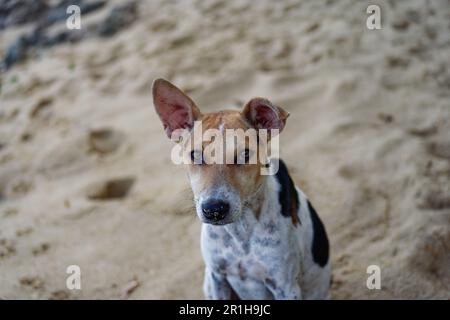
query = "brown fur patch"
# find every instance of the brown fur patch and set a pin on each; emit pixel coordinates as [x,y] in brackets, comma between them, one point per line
[246,179]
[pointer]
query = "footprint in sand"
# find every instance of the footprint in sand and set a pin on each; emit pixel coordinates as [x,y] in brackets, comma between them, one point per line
[376,219]
[74,154]
[105,140]
[24,232]
[440,149]
[350,170]
[435,200]
[400,23]
[14,182]
[26,136]
[163,25]
[10,212]
[63,157]
[41,110]
[437,195]
[312,27]
[32,282]
[5,158]
[59,295]
[116,188]
[396,61]
[19,187]
[7,248]
[423,131]
[40,249]
[431,255]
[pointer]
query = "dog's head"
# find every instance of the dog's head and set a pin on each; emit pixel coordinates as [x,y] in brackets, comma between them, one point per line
[220,190]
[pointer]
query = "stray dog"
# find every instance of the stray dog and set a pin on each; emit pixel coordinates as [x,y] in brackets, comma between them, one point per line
[261,237]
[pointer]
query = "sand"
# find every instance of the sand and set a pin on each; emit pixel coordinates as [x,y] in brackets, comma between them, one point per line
[85,171]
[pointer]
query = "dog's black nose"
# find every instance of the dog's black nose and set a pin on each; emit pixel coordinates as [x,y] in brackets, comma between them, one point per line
[215,210]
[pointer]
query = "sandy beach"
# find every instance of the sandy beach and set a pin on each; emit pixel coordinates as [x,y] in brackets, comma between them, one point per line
[85,172]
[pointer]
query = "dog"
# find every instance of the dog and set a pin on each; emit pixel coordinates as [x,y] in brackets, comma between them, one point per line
[261,238]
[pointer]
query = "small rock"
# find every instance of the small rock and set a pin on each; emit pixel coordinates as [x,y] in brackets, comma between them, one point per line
[129,288]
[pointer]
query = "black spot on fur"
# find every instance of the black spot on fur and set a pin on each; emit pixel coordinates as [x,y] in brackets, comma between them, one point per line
[222,265]
[246,246]
[213,235]
[242,272]
[320,245]
[227,240]
[270,227]
[271,283]
[287,195]
[267,242]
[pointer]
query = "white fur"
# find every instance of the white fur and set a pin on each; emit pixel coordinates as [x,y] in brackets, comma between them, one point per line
[265,258]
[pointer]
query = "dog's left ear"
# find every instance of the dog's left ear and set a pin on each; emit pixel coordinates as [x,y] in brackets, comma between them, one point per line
[175,109]
[263,114]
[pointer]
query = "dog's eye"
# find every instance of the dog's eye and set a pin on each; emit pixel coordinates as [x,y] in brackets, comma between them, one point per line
[246,155]
[196,157]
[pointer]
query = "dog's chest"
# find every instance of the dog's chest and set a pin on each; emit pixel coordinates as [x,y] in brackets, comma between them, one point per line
[257,256]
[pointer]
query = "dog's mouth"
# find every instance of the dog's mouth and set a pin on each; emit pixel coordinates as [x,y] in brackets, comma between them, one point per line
[217,222]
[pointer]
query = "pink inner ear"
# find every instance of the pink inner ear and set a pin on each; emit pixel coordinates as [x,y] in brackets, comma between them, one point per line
[177,117]
[265,117]
[173,107]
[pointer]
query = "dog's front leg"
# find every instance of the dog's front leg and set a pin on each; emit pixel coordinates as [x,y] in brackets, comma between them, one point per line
[284,289]
[216,287]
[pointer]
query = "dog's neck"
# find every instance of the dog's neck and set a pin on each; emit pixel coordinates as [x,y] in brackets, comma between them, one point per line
[258,208]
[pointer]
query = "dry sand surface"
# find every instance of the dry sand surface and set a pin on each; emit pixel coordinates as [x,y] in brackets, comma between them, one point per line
[85,170]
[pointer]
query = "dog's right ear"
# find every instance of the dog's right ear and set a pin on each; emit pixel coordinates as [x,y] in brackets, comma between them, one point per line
[262,114]
[175,109]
